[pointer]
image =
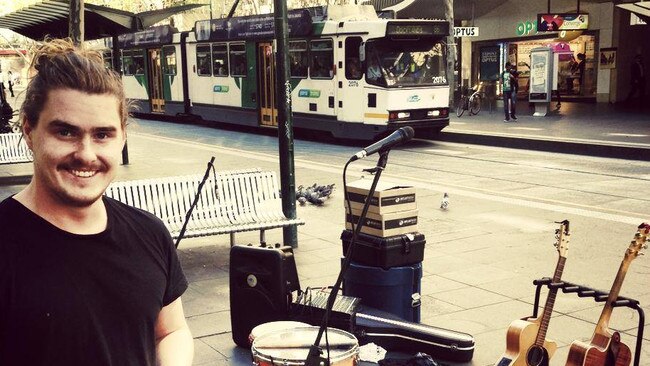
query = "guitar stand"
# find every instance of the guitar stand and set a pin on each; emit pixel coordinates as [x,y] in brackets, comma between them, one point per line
[598,296]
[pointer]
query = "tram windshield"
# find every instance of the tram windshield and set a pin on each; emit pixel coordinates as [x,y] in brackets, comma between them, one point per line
[399,63]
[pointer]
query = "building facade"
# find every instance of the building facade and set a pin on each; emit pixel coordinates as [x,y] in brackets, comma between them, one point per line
[592,65]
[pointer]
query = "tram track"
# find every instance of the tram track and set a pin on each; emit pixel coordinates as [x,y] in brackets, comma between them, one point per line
[407,170]
[570,170]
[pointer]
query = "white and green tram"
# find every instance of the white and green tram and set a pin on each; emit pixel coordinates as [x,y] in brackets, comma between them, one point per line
[352,73]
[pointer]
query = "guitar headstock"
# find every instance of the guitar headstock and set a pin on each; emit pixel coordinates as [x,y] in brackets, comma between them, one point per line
[562,237]
[639,242]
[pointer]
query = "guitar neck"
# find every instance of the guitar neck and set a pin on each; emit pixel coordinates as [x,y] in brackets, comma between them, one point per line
[603,323]
[550,302]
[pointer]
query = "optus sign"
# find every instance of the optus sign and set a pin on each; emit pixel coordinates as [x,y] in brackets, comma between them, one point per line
[526,27]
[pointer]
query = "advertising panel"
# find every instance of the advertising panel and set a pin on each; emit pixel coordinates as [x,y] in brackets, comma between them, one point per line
[540,75]
[151,37]
[562,22]
[489,63]
[252,27]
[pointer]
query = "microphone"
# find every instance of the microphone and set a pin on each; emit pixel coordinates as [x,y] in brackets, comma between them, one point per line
[401,135]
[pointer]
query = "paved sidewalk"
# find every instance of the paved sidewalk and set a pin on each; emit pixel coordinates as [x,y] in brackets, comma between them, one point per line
[600,129]
[466,286]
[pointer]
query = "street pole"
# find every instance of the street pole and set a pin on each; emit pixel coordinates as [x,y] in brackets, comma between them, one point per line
[285,123]
[117,66]
[76,21]
[451,50]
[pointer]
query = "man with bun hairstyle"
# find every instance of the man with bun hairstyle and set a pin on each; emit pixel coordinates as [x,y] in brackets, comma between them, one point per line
[84,279]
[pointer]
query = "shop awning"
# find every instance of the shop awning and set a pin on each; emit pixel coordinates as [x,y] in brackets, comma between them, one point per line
[641,9]
[50,17]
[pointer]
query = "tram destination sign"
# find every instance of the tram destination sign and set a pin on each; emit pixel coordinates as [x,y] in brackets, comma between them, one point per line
[252,27]
[417,29]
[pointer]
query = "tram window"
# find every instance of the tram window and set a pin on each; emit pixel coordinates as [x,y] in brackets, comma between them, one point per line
[169,60]
[238,59]
[203,60]
[298,58]
[405,63]
[322,59]
[138,62]
[108,59]
[127,62]
[220,59]
[353,70]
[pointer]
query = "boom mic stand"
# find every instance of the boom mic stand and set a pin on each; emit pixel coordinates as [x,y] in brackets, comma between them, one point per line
[188,215]
[314,356]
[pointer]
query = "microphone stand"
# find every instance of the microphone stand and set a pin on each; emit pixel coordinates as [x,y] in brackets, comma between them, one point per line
[188,215]
[314,356]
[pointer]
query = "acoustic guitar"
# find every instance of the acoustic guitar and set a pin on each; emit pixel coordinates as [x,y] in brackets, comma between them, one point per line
[526,343]
[605,347]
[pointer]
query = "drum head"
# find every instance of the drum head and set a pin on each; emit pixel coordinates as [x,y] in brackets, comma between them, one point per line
[291,346]
[274,327]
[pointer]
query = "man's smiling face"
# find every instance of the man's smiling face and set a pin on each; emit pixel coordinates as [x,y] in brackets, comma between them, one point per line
[77,143]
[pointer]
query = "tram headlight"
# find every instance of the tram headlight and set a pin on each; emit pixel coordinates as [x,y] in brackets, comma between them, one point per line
[433,113]
[399,115]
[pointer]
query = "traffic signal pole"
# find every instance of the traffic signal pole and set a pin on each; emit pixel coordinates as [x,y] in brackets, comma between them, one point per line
[285,122]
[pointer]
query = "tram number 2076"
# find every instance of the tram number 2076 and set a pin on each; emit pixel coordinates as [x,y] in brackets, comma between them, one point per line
[356,79]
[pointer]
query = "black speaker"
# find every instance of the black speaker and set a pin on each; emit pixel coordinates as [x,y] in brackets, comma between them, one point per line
[261,282]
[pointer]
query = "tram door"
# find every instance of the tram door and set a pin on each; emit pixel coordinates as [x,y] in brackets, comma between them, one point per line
[156,82]
[266,78]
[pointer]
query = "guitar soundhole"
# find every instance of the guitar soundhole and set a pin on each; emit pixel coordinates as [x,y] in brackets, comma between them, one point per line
[537,356]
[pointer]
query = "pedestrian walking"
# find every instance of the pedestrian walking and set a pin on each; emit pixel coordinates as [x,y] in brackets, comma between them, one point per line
[84,279]
[515,84]
[507,81]
[579,72]
[2,81]
[637,81]
[3,94]
[10,81]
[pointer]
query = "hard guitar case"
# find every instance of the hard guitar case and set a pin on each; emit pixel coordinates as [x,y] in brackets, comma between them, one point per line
[395,334]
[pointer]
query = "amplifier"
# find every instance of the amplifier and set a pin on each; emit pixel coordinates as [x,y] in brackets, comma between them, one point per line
[309,307]
[261,282]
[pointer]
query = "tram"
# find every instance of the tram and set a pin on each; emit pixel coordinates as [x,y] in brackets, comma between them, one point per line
[353,74]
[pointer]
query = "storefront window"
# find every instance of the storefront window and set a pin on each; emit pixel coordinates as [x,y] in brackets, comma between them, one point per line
[576,66]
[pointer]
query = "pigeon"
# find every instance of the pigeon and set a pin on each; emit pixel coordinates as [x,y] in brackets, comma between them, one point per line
[445,202]
[314,194]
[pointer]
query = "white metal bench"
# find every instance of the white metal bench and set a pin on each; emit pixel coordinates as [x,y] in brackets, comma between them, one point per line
[239,200]
[13,149]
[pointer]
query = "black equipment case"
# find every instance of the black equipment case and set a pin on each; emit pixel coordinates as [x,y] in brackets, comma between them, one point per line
[393,251]
[387,330]
[261,282]
[395,334]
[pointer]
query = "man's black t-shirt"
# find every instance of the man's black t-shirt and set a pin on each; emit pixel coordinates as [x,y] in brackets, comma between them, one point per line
[68,299]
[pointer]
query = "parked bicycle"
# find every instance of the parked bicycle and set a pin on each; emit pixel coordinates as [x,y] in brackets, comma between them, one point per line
[473,102]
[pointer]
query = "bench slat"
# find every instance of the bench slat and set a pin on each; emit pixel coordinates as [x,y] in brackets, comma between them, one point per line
[233,201]
[13,149]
